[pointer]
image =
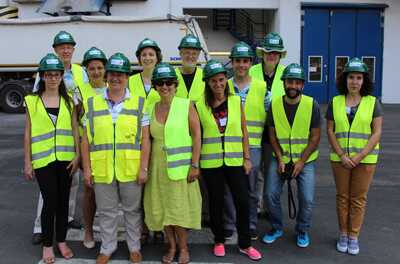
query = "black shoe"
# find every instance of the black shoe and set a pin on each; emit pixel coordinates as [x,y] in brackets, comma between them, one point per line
[228,234]
[74,224]
[158,237]
[253,234]
[37,238]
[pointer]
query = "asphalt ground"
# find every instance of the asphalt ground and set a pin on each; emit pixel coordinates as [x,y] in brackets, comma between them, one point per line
[379,240]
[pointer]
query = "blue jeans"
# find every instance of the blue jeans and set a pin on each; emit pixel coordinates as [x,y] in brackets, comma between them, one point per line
[229,212]
[305,195]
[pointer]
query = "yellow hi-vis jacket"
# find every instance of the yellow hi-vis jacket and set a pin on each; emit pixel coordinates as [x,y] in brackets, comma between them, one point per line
[353,138]
[214,153]
[114,148]
[84,87]
[277,90]
[49,141]
[254,110]
[197,88]
[177,139]
[136,87]
[293,140]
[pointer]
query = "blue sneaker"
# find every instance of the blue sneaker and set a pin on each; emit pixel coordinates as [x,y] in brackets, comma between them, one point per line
[341,244]
[303,239]
[272,235]
[353,247]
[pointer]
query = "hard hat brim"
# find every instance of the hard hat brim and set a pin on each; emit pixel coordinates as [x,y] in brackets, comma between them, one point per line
[260,52]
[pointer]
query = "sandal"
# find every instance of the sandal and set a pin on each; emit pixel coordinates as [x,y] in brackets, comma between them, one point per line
[184,257]
[49,259]
[169,257]
[66,252]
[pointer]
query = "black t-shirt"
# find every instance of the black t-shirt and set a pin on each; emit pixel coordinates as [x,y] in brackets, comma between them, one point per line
[188,79]
[351,111]
[290,110]
[268,80]
[52,110]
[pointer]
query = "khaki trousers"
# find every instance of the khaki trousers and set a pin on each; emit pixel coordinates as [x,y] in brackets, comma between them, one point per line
[352,187]
[108,197]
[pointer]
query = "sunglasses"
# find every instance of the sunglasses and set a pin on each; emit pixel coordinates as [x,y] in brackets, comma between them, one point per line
[162,82]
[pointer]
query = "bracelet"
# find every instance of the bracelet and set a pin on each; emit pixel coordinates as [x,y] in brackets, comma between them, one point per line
[195,165]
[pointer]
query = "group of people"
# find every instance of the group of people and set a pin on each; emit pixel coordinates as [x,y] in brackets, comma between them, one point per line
[141,143]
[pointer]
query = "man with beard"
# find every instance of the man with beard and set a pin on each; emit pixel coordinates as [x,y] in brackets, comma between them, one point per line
[294,129]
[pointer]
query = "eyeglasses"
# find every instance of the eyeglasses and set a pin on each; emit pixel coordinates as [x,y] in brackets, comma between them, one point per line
[52,76]
[162,82]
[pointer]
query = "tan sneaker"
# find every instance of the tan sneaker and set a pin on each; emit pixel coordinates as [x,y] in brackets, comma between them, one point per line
[135,257]
[102,259]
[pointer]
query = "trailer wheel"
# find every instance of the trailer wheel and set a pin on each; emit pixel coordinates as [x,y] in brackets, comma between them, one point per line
[12,97]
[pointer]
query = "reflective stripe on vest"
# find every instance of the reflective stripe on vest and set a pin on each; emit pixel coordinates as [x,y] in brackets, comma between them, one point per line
[254,110]
[213,154]
[277,90]
[293,140]
[353,139]
[177,139]
[136,87]
[49,142]
[196,90]
[114,148]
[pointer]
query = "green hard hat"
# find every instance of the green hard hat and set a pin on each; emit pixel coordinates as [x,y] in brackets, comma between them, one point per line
[63,37]
[94,54]
[355,65]
[147,43]
[163,71]
[213,67]
[241,50]
[50,62]
[293,71]
[190,41]
[272,42]
[118,63]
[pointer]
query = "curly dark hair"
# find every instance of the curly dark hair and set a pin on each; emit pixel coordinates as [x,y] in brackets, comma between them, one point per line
[366,88]
[209,95]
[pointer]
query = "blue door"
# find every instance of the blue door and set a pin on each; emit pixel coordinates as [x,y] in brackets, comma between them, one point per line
[369,44]
[330,37]
[315,53]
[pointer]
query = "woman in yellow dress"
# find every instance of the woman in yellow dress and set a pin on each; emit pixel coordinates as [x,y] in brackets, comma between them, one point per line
[172,198]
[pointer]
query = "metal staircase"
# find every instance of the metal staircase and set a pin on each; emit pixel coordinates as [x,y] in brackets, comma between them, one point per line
[240,24]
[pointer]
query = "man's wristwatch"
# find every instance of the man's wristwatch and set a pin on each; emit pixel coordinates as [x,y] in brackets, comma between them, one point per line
[195,165]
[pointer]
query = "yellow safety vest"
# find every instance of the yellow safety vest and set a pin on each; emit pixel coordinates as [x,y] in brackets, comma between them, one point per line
[84,87]
[353,138]
[177,139]
[197,88]
[254,110]
[49,141]
[136,87]
[114,148]
[277,90]
[213,153]
[293,140]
